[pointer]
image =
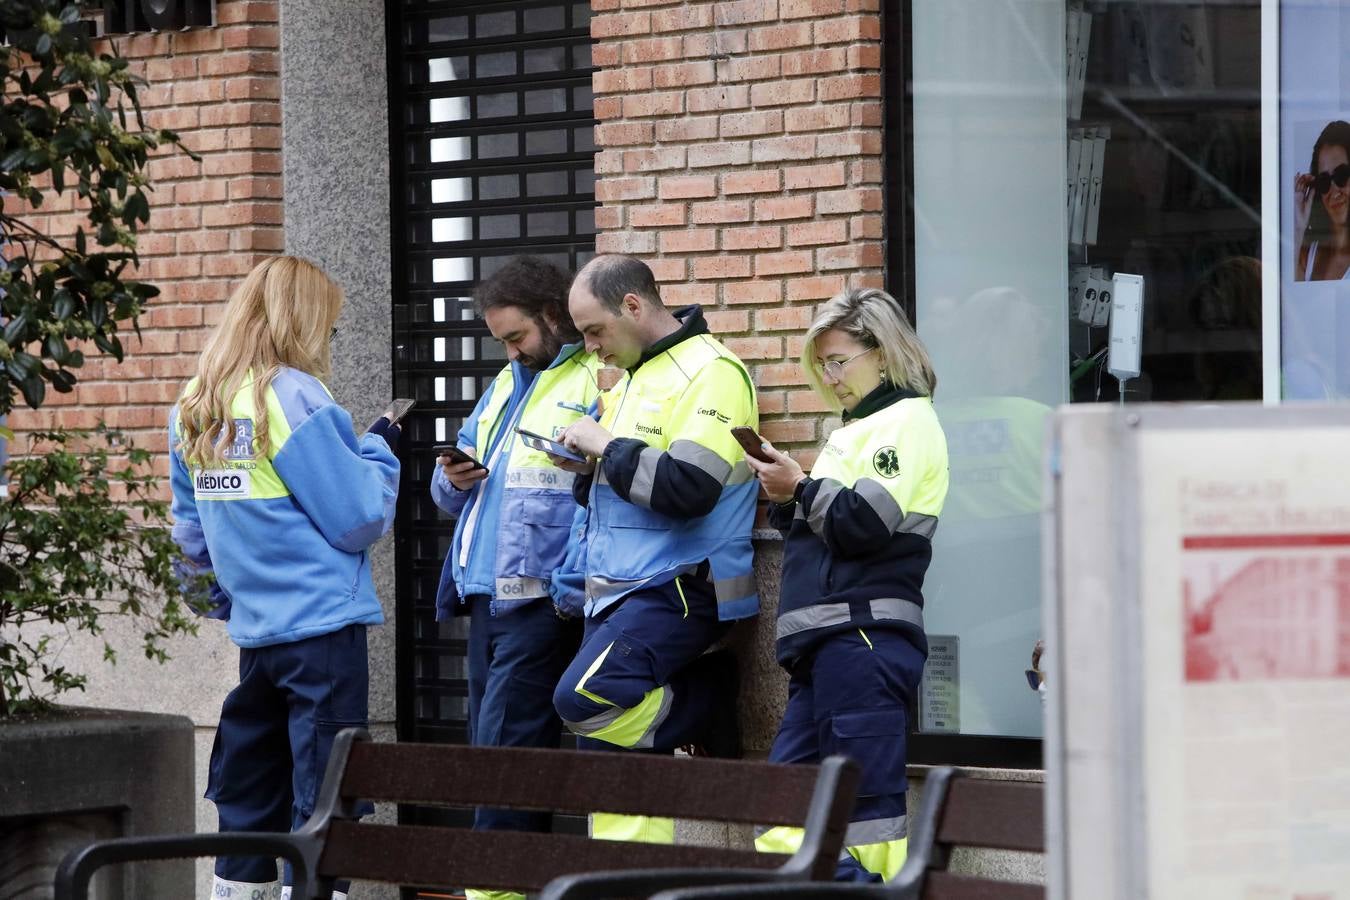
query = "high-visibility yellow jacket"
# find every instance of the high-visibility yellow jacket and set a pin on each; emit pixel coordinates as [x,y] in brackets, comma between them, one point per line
[859,529]
[513,526]
[673,490]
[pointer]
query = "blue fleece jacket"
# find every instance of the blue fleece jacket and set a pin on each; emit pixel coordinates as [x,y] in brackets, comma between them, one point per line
[283,534]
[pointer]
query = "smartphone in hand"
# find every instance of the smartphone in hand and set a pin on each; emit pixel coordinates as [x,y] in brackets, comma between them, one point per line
[397,409]
[457,455]
[751,443]
[547,445]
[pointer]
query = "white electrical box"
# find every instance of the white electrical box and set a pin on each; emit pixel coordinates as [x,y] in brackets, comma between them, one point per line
[1127,321]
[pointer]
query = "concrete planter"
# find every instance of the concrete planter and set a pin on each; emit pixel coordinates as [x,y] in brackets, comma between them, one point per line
[76,775]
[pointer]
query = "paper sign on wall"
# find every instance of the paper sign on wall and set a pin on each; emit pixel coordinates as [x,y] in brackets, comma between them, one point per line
[940,689]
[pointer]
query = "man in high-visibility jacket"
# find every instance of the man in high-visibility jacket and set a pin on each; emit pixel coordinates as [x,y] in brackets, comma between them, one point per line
[666,551]
[514,518]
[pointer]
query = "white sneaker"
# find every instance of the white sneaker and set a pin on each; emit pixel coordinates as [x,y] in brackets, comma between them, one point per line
[244,890]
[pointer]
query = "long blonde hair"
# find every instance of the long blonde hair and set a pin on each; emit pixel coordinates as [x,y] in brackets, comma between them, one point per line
[873,318]
[280,316]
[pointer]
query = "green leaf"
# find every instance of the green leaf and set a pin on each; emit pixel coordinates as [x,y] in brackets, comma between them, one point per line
[34,390]
[43,45]
[64,305]
[15,328]
[56,348]
[62,381]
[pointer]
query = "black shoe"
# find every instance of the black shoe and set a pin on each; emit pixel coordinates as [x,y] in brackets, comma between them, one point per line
[722,738]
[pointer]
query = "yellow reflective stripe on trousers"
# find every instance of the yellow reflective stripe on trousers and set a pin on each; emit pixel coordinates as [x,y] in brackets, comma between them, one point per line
[476,894]
[884,858]
[780,839]
[641,829]
[581,685]
[631,727]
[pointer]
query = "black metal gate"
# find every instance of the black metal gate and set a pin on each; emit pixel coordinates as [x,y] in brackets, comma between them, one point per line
[491,154]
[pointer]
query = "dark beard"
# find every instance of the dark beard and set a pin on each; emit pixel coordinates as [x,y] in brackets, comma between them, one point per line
[552,344]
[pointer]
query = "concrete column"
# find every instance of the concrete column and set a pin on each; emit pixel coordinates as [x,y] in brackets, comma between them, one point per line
[335,159]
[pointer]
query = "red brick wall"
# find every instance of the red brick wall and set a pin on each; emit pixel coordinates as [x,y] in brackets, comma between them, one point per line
[210,222]
[740,155]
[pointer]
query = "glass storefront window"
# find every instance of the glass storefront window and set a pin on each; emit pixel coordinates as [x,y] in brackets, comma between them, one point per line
[1055,146]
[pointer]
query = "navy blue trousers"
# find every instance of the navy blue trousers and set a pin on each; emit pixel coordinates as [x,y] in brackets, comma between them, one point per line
[647,641]
[849,696]
[276,733]
[514,663]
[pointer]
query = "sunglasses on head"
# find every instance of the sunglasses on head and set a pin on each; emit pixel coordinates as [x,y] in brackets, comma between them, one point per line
[1340,175]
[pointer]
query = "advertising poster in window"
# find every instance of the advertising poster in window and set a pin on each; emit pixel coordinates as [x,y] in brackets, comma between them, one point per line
[1245,613]
[1314,182]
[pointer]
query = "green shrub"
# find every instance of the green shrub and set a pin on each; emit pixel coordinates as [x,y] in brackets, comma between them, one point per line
[82,535]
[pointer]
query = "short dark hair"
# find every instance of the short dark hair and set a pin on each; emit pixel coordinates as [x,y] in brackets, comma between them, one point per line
[534,286]
[612,276]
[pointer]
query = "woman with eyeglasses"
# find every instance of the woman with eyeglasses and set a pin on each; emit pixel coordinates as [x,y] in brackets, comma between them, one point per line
[1321,231]
[858,541]
[276,499]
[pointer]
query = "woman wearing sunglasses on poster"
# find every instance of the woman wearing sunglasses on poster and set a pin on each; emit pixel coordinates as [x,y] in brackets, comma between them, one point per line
[858,532]
[1320,229]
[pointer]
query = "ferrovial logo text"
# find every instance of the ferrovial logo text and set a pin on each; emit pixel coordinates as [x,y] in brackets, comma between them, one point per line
[224,484]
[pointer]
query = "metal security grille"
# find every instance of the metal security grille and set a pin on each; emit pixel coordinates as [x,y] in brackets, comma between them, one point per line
[492,154]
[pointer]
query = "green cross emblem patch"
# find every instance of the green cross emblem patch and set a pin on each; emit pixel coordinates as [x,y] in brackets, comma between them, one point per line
[887,462]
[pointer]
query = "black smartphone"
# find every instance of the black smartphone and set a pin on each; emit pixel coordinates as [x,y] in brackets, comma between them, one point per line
[457,455]
[750,442]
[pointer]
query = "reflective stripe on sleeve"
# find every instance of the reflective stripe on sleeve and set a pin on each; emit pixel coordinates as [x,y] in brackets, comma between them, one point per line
[696,454]
[918,523]
[644,479]
[820,505]
[881,501]
[827,615]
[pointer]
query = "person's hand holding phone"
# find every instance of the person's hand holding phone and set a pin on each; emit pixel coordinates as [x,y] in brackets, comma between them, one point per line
[779,476]
[460,468]
[586,437]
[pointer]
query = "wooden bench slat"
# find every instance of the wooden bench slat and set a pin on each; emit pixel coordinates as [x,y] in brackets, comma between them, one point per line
[946,886]
[424,856]
[1004,815]
[580,782]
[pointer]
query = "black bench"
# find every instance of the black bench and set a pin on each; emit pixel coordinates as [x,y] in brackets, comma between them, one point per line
[333,844]
[957,812]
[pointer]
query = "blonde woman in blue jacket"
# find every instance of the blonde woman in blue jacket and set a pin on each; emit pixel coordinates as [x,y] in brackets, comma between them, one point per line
[275,502]
[858,542]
